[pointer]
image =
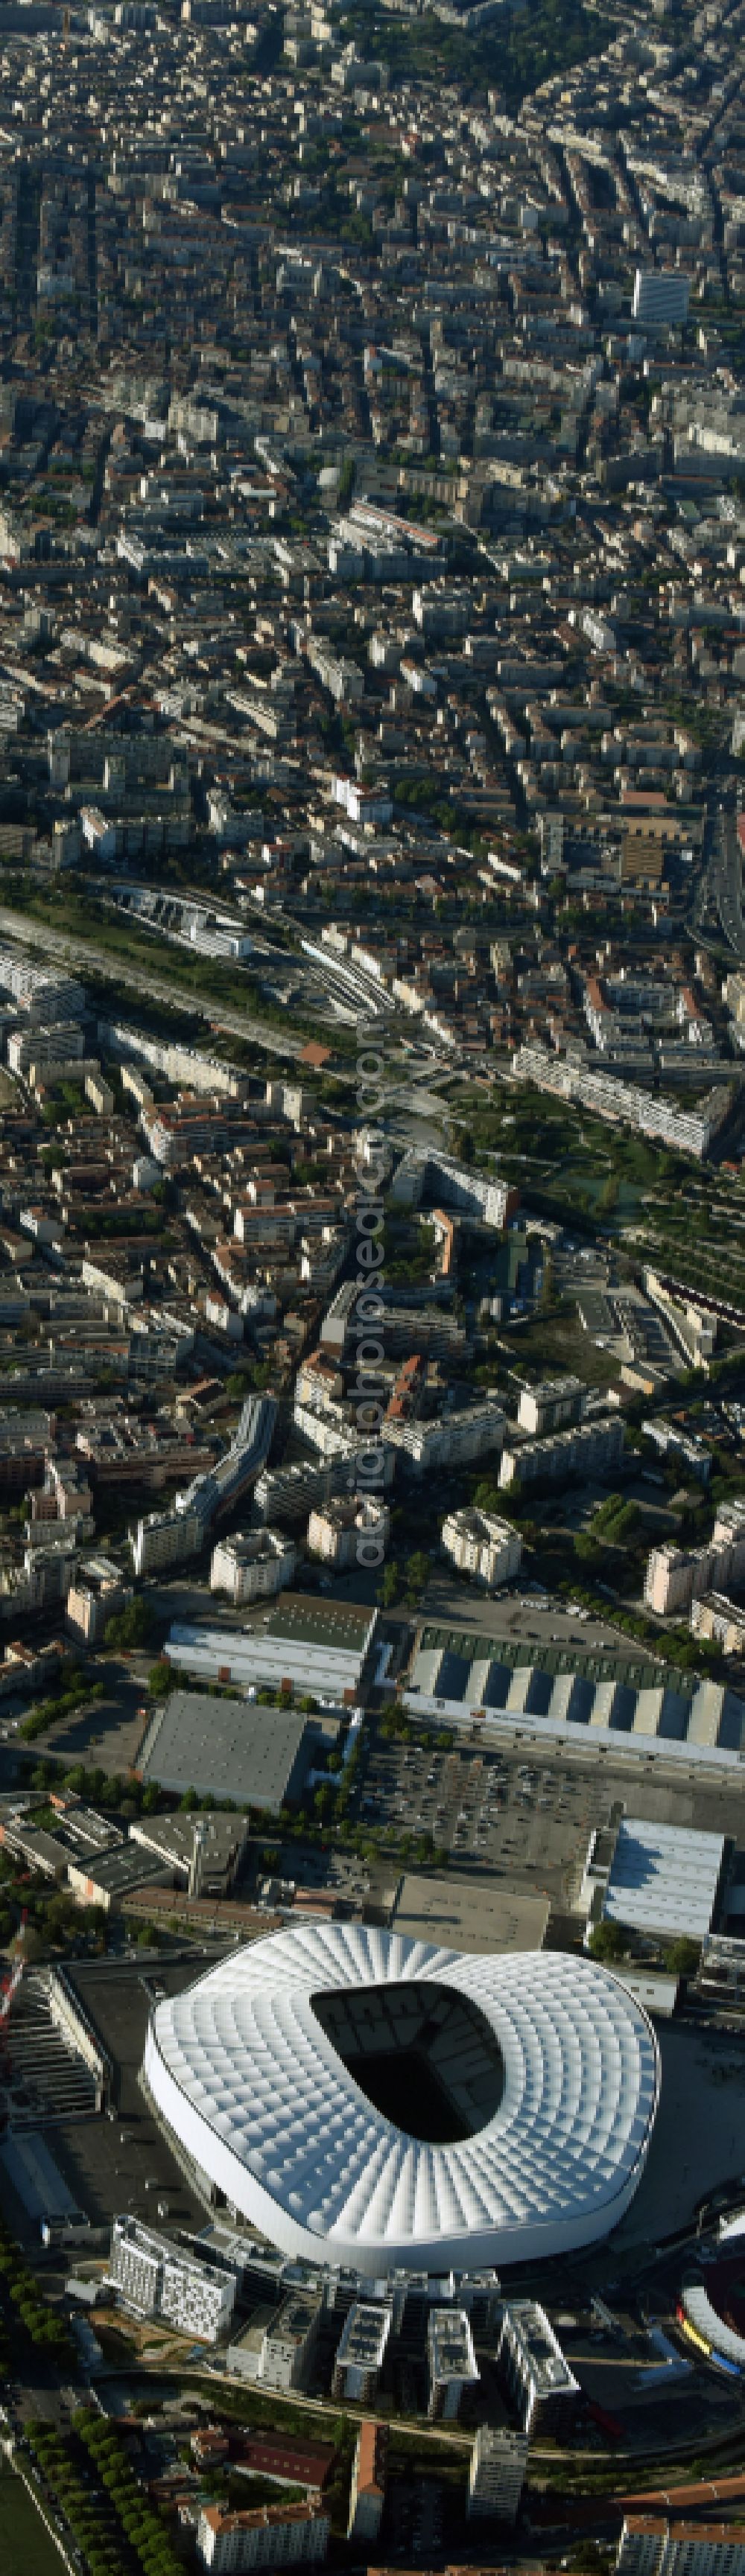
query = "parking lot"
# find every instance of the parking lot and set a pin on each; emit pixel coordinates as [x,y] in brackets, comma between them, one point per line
[524,1815]
[507,1816]
[532,1616]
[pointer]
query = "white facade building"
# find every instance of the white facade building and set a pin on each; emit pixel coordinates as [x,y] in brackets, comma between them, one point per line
[451,2361]
[155,2278]
[454,1439]
[361,2352]
[552,1406]
[499,2466]
[336,1531]
[251,1565]
[482,1545]
[165,1538]
[534,2372]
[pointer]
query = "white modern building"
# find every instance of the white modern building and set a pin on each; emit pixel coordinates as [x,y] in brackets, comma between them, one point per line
[453,1439]
[155,2278]
[426,1172]
[451,2362]
[499,2466]
[526,2089]
[533,2371]
[481,1544]
[361,2352]
[252,1564]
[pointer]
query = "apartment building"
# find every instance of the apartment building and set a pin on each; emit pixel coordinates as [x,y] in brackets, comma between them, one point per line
[251,1565]
[590,1449]
[274,2535]
[533,2372]
[155,2278]
[552,1406]
[651,2546]
[720,1621]
[452,1439]
[423,1173]
[482,1545]
[361,2352]
[677,1577]
[499,2464]
[367,2491]
[338,1531]
[451,2362]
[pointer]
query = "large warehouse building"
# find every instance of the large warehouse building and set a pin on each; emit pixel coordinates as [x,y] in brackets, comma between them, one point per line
[369,2101]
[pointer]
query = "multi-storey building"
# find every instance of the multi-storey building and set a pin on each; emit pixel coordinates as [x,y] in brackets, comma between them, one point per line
[367,2491]
[274,2535]
[552,1406]
[361,2352]
[451,2362]
[651,2546]
[499,2462]
[481,1544]
[590,1449]
[533,2372]
[251,1565]
[155,2278]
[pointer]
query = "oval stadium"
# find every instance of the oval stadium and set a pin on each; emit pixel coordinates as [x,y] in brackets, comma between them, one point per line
[368,2101]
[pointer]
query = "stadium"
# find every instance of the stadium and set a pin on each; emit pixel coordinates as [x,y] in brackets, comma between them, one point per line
[368,2101]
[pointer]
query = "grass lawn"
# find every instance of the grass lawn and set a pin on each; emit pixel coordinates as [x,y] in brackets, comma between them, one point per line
[26,2544]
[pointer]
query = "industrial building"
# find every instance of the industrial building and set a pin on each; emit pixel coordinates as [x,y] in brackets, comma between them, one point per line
[204,1852]
[226,1748]
[377,2103]
[303,1643]
[658,1880]
[604,1699]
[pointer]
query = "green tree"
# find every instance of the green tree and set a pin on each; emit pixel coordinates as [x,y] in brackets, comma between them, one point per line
[608,1944]
[683,1956]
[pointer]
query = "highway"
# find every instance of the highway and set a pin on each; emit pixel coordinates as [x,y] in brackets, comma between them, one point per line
[79,954]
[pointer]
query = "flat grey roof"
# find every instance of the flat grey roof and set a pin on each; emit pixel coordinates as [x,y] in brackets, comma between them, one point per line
[224,1748]
[462,1915]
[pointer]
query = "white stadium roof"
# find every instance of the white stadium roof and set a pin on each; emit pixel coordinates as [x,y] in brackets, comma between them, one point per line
[290,2072]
